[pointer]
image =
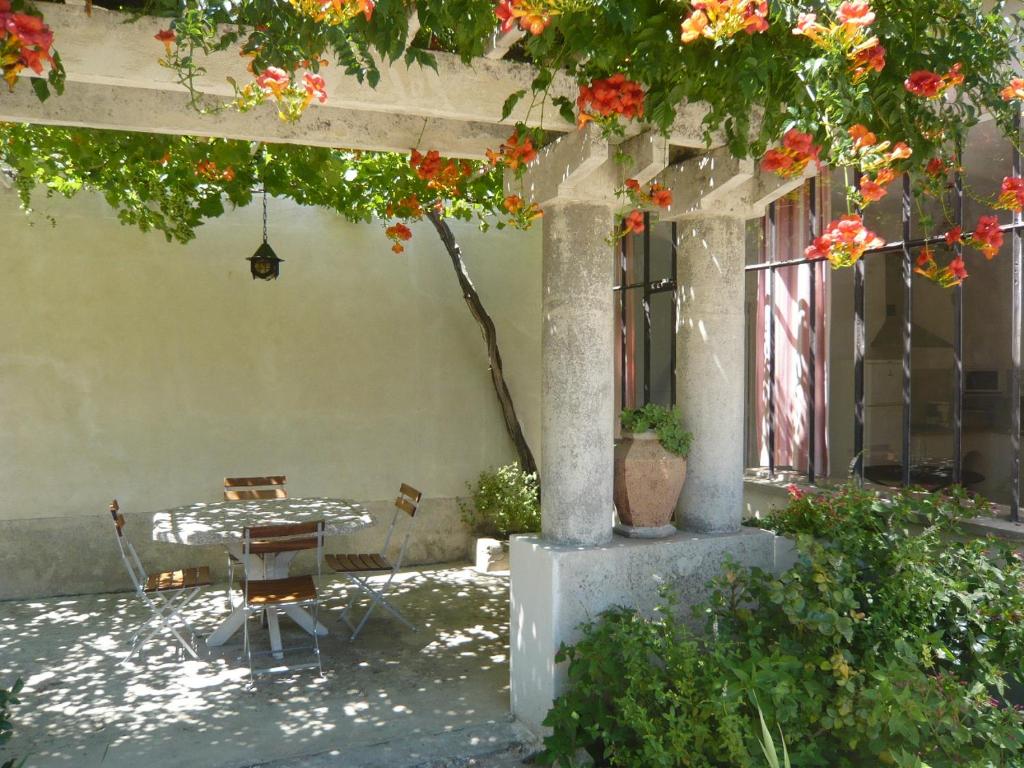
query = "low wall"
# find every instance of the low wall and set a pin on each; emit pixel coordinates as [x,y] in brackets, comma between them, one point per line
[556,588]
[39,561]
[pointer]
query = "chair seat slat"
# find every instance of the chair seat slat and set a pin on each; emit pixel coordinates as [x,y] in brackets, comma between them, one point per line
[235,482]
[186,578]
[295,589]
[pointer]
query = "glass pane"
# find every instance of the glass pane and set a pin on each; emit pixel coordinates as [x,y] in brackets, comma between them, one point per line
[634,257]
[662,342]
[932,378]
[988,312]
[883,361]
[661,251]
[987,160]
[840,379]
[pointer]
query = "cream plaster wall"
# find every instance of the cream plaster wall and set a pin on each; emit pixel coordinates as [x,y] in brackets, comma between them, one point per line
[135,368]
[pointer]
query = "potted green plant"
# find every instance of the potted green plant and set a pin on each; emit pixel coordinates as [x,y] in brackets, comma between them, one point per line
[505,502]
[650,469]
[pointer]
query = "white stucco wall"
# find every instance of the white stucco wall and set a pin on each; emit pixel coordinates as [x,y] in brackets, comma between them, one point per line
[135,368]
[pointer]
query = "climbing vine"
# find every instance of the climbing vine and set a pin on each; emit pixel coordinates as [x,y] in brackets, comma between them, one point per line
[878,89]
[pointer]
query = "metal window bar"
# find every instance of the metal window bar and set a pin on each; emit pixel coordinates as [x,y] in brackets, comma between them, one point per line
[905,247]
[675,313]
[1015,337]
[958,334]
[647,308]
[812,336]
[650,288]
[770,296]
[908,298]
[858,362]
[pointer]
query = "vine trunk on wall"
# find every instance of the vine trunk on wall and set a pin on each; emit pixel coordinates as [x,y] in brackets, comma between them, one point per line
[483,319]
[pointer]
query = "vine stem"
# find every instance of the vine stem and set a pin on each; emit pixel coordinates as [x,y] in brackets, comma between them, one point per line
[487,329]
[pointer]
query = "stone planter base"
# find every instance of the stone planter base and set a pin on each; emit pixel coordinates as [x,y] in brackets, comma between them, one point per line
[636,532]
[491,555]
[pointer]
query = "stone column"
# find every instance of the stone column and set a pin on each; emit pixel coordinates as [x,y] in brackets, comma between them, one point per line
[578,381]
[710,373]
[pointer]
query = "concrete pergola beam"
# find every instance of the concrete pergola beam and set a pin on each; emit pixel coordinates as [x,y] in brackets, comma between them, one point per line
[502,42]
[150,111]
[107,49]
[584,166]
[720,184]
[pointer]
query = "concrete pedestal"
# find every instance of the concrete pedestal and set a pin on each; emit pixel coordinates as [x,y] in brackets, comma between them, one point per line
[557,587]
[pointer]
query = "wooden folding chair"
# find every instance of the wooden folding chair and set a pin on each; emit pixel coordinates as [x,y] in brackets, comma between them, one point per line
[166,594]
[244,489]
[358,567]
[270,594]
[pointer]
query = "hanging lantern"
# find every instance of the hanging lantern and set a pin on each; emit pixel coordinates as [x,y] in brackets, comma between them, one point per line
[264,264]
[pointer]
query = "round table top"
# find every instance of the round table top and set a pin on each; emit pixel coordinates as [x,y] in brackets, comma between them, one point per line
[221,522]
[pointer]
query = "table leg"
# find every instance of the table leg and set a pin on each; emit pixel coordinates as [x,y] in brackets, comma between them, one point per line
[304,619]
[227,628]
[275,633]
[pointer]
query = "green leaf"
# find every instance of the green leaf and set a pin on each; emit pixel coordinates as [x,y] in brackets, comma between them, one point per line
[510,103]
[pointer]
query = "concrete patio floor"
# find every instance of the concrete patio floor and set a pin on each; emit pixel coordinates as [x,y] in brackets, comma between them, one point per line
[393,697]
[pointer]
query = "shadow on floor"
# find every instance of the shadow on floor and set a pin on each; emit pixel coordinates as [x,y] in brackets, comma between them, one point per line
[392,697]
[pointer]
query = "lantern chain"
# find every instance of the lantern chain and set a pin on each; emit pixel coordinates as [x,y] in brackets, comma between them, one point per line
[264,214]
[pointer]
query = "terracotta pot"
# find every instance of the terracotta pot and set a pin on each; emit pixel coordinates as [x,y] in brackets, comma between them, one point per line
[648,480]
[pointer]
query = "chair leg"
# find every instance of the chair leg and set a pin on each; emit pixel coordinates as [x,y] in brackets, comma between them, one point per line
[162,618]
[345,611]
[376,598]
[231,582]
[248,650]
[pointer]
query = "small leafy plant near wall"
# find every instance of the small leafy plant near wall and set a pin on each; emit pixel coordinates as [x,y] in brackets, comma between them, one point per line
[895,640]
[9,697]
[505,502]
[664,421]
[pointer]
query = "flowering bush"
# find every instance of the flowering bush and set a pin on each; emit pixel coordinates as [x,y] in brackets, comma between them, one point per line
[722,19]
[26,42]
[843,242]
[892,641]
[808,72]
[608,99]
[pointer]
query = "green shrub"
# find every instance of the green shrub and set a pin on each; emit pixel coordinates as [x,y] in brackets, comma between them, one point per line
[666,423]
[891,642]
[505,502]
[8,697]
[645,693]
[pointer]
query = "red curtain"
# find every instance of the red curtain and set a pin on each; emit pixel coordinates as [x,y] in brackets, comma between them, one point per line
[792,292]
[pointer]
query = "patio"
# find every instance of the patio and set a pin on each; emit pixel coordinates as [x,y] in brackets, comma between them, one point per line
[150,370]
[438,696]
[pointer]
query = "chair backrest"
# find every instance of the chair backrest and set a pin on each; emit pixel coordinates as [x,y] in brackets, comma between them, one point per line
[128,554]
[408,501]
[283,537]
[246,488]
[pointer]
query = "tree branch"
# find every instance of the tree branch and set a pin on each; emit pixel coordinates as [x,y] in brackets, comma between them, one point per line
[476,308]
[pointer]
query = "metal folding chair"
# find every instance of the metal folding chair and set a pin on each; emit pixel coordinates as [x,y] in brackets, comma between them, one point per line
[243,489]
[270,594]
[358,567]
[166,594]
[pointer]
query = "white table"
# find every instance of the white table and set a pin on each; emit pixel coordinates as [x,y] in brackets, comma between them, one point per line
[221,523]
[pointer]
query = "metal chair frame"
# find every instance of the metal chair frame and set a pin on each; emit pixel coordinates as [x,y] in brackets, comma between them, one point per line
[408,502]
[172,601]
[244,488]
[292,537]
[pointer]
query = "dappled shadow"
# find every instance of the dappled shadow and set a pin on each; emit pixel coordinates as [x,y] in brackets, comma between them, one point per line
[81,707]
